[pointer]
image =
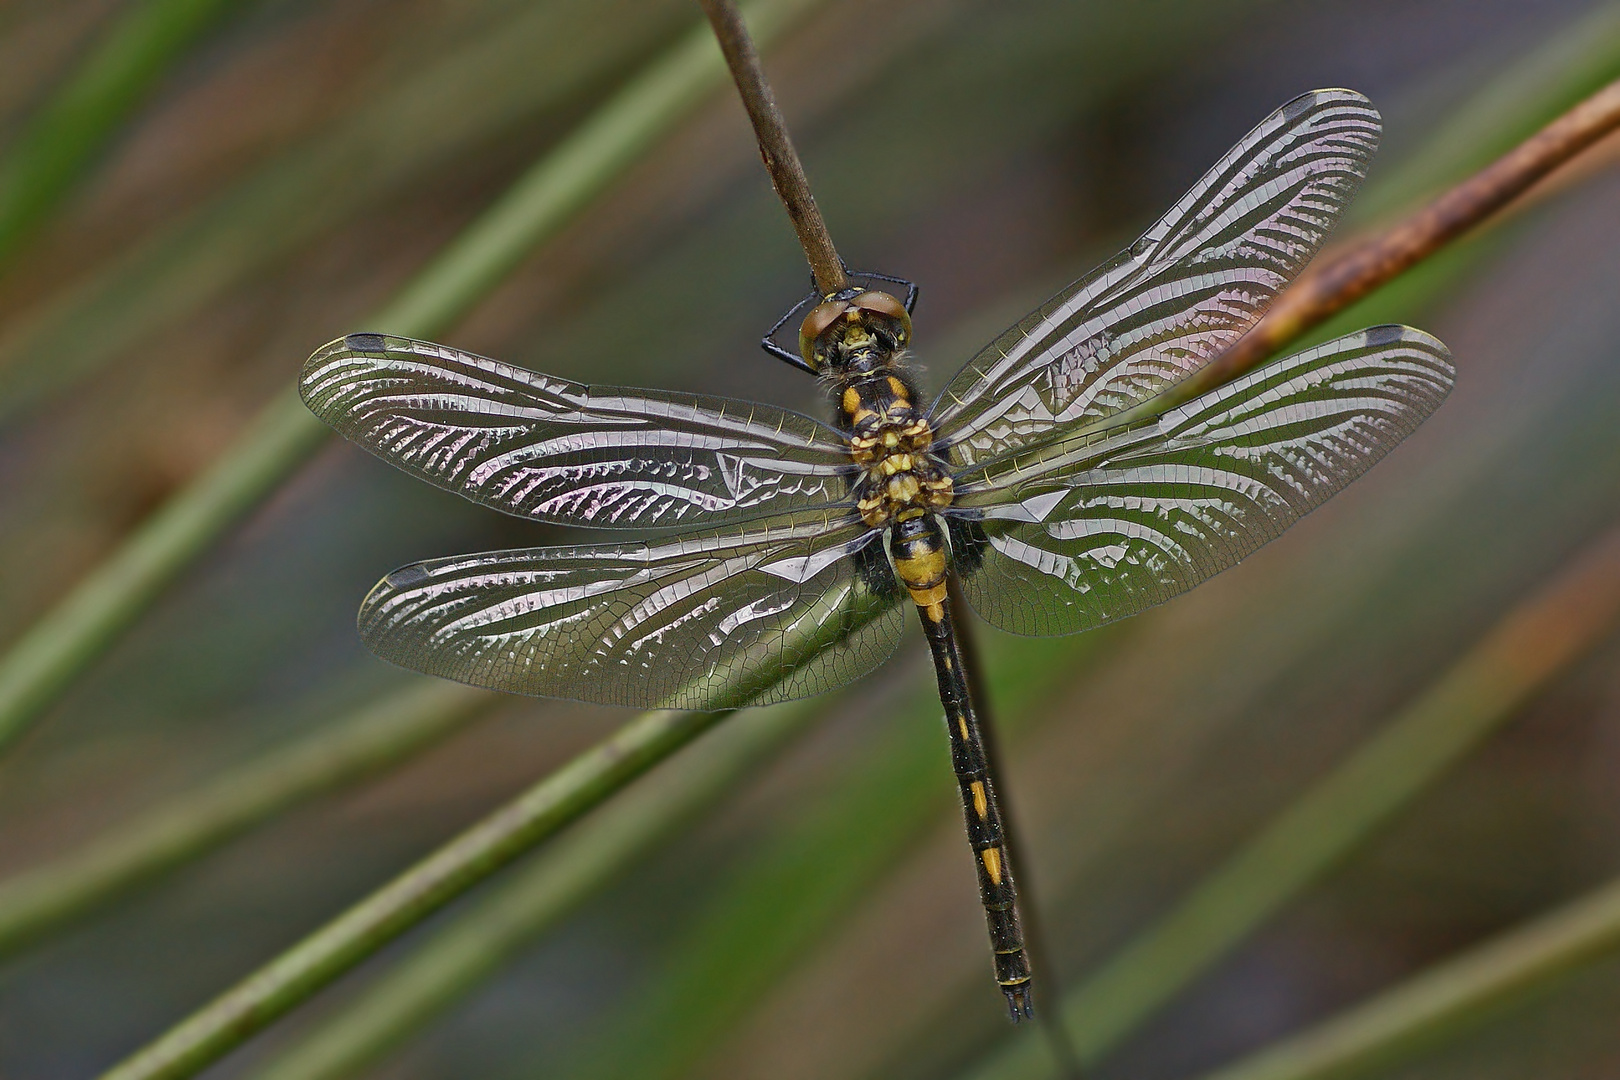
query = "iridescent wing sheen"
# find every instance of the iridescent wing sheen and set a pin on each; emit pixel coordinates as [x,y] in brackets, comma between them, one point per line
[1174,299]
[560,451]
[779,610]
[1084,532]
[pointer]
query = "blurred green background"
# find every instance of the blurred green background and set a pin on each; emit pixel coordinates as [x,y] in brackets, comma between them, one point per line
[291,164]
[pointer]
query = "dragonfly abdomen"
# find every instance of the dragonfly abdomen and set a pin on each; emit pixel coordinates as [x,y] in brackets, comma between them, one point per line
[921,561]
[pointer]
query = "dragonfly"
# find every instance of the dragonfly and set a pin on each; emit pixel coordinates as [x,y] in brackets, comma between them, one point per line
[778,554]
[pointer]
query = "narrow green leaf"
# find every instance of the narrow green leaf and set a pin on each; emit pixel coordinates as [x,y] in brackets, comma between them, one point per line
[457,958]
[1574,62]
[537,814]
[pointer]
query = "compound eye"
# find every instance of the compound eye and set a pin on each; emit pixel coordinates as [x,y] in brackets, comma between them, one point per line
[815,324]
[881,303]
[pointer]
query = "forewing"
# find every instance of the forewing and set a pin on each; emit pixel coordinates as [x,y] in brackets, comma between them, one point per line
[1169,303]
[758,615]
[560,451]
[1101,529]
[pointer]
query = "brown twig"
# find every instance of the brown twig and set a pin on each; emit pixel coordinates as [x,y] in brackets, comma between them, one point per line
[775,147]
[1333,286]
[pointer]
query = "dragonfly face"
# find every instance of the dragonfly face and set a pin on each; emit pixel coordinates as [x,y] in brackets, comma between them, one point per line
[779,550]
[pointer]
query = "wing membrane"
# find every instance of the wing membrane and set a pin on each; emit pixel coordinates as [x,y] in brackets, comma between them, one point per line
[1168,304]
[560,451]
[1084,534]
[775,612]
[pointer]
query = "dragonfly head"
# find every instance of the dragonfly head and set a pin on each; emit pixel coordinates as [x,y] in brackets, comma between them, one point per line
[849,321]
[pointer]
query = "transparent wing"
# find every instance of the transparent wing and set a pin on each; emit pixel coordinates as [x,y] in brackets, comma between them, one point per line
[1082,534]
[779,611]
[1174,299]
[560,451]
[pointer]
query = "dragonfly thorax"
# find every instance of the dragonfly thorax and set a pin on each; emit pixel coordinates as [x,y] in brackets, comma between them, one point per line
[891,440]
[857,344]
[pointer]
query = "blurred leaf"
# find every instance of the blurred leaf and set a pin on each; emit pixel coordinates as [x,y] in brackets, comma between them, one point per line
[1446,998]
[42,164]
[188,826]
[526,66]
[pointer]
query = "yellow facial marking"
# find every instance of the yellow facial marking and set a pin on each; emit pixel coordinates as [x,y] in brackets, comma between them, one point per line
[981,802]
[991,857]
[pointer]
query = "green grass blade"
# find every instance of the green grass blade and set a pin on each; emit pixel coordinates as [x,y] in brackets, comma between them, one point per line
[175,832]
[59,142]
[489,845]
[1447,997]
[1539,639]
[40,666]
[459,957]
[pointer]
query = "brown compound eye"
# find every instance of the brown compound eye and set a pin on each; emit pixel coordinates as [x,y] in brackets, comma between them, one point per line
[881,303]
[815,324]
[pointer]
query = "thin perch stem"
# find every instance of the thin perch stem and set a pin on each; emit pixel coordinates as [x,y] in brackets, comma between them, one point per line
[775,147]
